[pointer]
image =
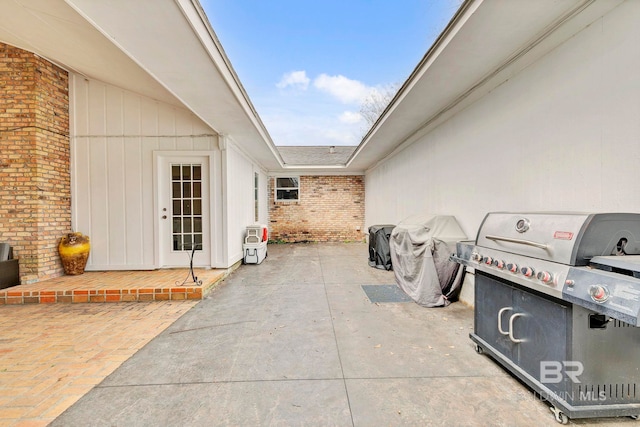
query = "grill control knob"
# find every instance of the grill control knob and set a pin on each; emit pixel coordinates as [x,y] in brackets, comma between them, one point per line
[488,260]
[498,263]
[527,271]
[599,293]
[545,277]
[512,267]
[476,257]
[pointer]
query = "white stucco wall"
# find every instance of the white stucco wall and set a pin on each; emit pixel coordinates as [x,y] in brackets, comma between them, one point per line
[563,135]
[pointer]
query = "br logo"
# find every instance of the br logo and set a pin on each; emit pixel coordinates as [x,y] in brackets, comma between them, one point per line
[553,372]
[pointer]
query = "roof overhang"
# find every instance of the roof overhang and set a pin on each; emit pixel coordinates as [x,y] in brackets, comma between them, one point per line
[163,49]
[485,44]
[167,50]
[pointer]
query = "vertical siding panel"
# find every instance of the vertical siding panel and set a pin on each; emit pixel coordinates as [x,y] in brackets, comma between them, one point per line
[167,127]
[133,198]
[116,196]
[149,128]
[98,179]
[149,116]
[80,91]
[96,109]
[148,215]
[114,103]
[202,143]
[82,195]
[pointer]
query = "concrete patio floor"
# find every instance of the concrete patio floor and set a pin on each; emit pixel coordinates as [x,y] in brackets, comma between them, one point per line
[296,341]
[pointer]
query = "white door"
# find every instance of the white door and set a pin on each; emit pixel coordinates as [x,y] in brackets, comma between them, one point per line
[183,202]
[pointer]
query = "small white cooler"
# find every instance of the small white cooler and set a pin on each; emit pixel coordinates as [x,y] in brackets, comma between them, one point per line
[255,244]
[254,253]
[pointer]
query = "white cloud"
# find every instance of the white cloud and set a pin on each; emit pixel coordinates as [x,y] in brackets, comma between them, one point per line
[344,89]
[325,114]
[350,117]
[296,79]
[310,127]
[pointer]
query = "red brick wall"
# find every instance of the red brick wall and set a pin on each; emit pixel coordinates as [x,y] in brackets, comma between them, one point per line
[35,183]
[330,209]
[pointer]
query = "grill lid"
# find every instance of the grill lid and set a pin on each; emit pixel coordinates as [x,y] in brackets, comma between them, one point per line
[566,238]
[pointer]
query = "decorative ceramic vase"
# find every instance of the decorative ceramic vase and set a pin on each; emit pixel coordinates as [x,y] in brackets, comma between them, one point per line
[74,251]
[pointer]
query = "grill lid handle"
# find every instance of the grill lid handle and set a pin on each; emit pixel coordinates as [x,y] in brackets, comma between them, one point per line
[518,241]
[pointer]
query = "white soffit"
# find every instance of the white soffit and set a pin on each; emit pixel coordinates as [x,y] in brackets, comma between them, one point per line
[485,44]
[53,30]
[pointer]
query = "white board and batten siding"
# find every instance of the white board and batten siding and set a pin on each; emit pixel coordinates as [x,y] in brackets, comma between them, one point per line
[115,134]
[561,135]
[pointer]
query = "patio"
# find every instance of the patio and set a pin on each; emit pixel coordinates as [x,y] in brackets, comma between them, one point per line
[293,341]
[297,341]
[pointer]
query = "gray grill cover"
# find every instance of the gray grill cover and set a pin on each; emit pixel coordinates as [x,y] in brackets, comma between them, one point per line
[420,250]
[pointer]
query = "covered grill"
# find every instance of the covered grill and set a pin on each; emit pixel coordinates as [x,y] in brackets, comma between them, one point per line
[557,303]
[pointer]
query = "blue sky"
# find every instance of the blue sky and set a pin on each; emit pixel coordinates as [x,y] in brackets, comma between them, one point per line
[308,65]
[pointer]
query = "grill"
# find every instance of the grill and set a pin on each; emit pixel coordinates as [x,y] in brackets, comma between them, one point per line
[557,303]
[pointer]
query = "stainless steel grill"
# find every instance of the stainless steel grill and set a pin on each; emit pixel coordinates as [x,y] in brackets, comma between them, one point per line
[557,302]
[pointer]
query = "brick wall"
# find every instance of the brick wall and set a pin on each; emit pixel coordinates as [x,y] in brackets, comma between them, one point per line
[330,209]
[35,185]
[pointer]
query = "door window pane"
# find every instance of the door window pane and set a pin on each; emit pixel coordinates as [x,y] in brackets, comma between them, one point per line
[175,173]
[186,194]
[177,225]
[175,190]
[186,225]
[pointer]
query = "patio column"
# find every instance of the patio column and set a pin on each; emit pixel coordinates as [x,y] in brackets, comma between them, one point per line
[35,185]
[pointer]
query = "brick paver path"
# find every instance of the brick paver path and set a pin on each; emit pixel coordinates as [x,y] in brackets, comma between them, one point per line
[52,354]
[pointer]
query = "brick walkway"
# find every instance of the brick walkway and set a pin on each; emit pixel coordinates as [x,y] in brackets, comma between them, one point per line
[51,355]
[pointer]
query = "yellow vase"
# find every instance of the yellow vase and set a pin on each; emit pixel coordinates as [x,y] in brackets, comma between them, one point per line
[74,251]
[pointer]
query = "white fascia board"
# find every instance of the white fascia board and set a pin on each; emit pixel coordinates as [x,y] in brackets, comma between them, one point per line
[319,172]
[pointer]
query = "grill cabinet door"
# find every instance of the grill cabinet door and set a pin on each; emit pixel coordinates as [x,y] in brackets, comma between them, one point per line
[543,329]
[539,327]
[492,298]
